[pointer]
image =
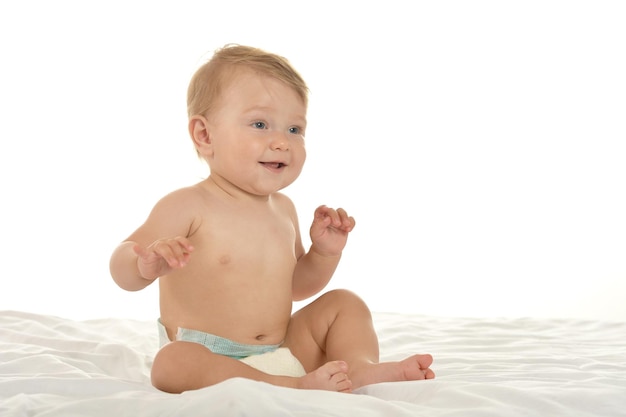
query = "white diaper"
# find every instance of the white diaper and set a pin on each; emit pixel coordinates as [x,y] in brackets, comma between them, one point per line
[279,362]
[271,359]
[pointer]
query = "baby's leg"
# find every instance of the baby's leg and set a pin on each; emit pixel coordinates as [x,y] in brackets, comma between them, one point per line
[415,367]
[183,366]
[338,326]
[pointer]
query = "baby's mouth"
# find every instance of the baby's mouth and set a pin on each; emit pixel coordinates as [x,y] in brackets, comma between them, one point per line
[274,165]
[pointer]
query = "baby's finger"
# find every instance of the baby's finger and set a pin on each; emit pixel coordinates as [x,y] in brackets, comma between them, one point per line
[347,222]
[185,244]
[335,219]
[322,216]
[171,251]
[140,251]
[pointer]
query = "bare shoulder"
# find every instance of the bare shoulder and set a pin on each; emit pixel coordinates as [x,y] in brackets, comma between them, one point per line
[178,213]
[284,203]
[182,200]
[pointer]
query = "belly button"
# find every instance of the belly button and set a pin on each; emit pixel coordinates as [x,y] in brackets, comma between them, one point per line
[260,337]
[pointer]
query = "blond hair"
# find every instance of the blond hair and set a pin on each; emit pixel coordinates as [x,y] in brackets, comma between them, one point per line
[211,78]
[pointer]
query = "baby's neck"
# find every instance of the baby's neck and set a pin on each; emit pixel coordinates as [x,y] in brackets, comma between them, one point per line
[222,188]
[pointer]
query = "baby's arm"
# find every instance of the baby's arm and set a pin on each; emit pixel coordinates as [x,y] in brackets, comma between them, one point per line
[134,267]
[329,234]
[146,255]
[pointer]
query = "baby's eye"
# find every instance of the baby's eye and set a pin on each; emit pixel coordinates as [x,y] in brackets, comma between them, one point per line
[259,125]
[295,130]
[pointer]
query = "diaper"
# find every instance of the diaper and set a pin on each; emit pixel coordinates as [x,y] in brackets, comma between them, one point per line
[279,362]
[271,359]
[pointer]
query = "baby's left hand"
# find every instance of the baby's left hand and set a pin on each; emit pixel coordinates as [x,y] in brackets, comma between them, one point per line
[329,231]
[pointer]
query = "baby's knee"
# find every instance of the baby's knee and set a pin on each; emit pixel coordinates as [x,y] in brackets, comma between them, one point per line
[343,294]
[161,374]
[345,297]
[161,378]
[172,368]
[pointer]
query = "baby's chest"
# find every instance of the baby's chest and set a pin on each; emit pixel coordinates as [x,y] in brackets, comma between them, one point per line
[236,242]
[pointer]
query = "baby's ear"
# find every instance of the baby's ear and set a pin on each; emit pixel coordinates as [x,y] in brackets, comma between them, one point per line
[200,134]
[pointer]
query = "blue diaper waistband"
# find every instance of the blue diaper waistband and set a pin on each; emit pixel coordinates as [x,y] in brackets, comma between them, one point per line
[216,344]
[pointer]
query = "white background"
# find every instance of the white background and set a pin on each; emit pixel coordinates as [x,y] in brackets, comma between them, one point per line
[480,145]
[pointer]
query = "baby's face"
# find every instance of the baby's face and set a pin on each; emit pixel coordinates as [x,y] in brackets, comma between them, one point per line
[257,134]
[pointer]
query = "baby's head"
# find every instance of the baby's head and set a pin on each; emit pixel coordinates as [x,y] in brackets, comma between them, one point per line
[214,76]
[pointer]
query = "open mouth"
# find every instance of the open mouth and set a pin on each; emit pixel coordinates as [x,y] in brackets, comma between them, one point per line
[274,165]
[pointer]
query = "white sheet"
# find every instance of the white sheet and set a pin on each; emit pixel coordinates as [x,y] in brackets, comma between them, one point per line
[51,366]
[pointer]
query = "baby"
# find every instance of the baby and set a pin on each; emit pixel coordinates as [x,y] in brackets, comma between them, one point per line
[228,253]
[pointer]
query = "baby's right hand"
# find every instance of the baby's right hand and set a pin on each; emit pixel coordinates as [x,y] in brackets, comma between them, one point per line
[162,256]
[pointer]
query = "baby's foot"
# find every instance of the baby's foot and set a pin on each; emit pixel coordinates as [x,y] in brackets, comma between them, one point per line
[417,367]
[413,368]
[332,376]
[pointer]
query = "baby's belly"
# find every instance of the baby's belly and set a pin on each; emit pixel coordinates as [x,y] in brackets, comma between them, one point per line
[242,319]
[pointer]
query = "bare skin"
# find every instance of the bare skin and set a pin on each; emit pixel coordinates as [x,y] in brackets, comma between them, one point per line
[228,251]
